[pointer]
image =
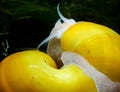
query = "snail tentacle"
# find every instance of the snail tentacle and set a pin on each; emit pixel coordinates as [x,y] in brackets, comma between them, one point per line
[64,18]
[60,15]
[44,41]
[52,34]
[59,28]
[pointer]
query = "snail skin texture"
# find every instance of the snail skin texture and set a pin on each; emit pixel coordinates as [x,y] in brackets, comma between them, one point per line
[99,44]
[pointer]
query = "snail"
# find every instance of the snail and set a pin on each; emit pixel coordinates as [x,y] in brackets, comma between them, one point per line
[97,43]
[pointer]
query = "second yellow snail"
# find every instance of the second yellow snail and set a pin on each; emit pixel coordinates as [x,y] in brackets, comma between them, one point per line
[99,44]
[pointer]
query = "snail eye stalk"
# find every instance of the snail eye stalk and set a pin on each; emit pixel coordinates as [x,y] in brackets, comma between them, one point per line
[60,27]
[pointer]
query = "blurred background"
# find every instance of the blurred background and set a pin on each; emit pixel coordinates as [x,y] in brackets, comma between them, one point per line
[25,23]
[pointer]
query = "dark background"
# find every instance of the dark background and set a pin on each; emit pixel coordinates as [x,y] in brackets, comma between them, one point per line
[25,23]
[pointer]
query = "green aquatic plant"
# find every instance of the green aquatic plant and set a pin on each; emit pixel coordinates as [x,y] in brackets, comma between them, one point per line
[5,46]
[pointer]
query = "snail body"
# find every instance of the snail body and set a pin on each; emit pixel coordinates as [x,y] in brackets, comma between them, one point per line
[99,44]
